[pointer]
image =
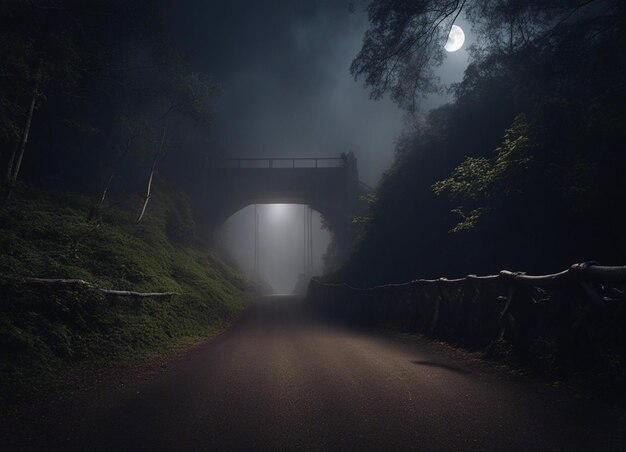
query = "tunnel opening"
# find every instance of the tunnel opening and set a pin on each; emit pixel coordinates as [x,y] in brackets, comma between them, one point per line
[282,245]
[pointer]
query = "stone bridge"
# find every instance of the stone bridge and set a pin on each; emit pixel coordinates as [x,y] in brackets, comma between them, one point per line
[329,185]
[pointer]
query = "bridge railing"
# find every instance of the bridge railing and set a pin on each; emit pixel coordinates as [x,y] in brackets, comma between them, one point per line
[290,163]
[569,318]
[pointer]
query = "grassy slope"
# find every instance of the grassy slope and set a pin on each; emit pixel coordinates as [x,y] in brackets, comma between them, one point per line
[46,332]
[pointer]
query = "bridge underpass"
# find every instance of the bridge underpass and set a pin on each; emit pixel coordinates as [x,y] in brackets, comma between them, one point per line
[329,186]
[282,244]
[285,378]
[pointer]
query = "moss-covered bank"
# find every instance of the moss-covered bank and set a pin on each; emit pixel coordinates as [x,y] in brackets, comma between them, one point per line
[48,331]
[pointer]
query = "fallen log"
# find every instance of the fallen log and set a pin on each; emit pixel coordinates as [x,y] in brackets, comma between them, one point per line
[78,282]
[110,292]
[130,293]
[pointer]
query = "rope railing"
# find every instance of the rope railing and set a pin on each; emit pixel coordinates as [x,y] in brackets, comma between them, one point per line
[574,315]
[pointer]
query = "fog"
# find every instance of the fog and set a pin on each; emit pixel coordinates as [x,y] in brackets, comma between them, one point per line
[286,91]
[281,248]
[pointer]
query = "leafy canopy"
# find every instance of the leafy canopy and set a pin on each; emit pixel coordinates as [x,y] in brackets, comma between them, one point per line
[404,43]
[481,182]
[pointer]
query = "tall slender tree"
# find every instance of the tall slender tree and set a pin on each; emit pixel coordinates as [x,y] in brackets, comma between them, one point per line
[188,95]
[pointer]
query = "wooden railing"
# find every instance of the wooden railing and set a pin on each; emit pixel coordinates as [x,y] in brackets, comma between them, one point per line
[573,316]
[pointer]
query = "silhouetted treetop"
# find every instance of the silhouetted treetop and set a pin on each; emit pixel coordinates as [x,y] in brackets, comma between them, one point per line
[406,37]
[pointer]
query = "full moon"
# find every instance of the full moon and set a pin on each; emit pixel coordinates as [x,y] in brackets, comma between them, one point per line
[456,38]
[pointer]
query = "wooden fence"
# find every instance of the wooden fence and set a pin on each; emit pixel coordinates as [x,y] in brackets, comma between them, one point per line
[575,316]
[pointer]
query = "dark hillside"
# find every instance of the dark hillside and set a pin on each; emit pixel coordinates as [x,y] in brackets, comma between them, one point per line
[523,171]
[48,330]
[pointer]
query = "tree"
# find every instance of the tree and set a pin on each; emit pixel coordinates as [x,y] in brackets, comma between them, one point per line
[405,40]
[529,154]
[484,183]
[45,58]
[61,58]
[402,46]
[133,131]
[187,95]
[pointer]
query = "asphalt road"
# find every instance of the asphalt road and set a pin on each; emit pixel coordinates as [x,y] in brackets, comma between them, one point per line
[282,379]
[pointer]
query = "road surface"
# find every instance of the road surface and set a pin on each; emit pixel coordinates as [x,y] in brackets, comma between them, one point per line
[282,379]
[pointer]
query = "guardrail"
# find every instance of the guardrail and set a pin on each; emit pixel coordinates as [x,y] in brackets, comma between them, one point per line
[290,163]
[572,317]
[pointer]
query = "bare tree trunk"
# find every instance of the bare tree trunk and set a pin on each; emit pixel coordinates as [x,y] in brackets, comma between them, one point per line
[9,173]
[157,156]
[95,210]
[29,120]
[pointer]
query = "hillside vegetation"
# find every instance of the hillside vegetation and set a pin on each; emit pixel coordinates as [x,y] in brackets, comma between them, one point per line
[523,169]
[47,331]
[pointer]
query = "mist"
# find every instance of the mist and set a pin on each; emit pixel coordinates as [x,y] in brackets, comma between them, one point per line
[286,91]
[263,225]
[281,243]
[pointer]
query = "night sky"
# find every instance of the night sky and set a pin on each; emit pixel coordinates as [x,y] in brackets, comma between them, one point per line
[283,68]
[286,91]
[312,225]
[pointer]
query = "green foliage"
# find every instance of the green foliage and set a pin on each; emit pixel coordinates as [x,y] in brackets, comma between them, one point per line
[527,160]
[471,179]
[514,156]
[405,40]
[361,222]
[369,199]
[47,331]
[483,182]
[469,219]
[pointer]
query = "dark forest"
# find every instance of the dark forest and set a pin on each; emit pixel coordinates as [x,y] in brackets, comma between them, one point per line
[312,225]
